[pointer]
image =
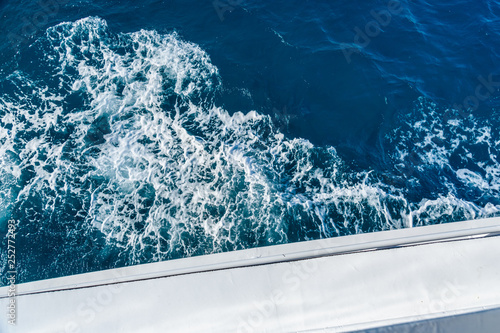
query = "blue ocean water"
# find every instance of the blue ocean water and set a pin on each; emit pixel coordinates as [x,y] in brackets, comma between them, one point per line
[155,130]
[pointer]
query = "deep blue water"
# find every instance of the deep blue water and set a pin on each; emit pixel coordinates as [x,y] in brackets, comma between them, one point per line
[154,130]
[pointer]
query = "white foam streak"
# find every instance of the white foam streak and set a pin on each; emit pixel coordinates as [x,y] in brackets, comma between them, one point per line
[164,173]
[454,146]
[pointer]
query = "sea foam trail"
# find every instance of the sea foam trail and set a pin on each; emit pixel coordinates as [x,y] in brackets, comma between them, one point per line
[119,133]
[454,160]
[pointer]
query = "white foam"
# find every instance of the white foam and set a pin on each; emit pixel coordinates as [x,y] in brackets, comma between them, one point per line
[472,179]
[169,174]
[437,142]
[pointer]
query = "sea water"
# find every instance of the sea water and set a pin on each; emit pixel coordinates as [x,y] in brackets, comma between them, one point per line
[155,130]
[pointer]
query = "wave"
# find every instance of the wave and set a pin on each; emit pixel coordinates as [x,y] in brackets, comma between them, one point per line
[451,159]
[119,133]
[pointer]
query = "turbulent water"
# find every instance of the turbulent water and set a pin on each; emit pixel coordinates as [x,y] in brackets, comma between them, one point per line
[122,145]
